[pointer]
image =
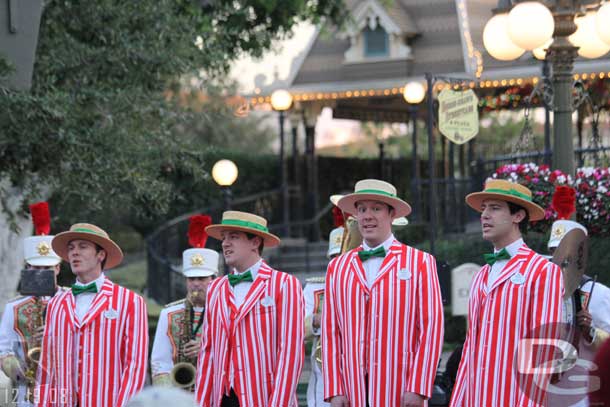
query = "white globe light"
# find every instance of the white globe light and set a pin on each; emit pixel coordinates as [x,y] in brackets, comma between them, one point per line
[414,92]
[586,38]
[281,99]
[602,22]
[540,52]
[497,41]
[224,173]
[530,25]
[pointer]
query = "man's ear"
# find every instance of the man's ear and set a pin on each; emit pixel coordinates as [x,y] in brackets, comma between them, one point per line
[519,215]
[103,256]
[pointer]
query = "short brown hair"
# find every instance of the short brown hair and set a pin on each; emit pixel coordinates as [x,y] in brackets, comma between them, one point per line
[261,246]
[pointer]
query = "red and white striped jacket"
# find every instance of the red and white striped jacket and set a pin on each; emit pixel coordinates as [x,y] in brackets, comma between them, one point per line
[99,361]
[524,302]
[390,335]
[262,341]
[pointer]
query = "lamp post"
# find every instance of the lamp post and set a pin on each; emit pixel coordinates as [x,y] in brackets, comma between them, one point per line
[281,100]
[572,27]
[414,93]
[224,173]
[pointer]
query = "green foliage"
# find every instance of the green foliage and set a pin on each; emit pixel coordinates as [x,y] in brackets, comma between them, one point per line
[6,68]
[499,131]
[211,120]
[98,131]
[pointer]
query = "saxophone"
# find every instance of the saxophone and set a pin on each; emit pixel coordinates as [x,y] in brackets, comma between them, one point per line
[184,371]
[34,349]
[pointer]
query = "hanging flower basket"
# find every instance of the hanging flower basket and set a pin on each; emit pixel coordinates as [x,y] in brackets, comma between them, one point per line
[592,193]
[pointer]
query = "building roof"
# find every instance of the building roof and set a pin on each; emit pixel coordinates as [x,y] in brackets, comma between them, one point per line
[437,48]
[449,39]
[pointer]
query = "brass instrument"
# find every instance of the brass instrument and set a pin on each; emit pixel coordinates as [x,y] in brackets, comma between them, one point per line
[351,235]
[34,348]
[571,256]
[184,371]
[350,240]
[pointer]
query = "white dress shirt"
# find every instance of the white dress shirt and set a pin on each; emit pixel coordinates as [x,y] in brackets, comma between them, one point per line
[240,290]
[373,264]
[83,301]
[497,267]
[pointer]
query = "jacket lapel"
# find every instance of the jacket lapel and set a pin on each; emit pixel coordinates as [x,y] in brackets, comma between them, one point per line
[99,302]
[226,302]
[255,292]
[68,303]
[358,269]
[389,261]
[512,267]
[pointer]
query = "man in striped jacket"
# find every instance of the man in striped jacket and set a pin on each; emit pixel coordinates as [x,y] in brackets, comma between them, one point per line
[383,317]
[514,308]
[252,351]
[95,342]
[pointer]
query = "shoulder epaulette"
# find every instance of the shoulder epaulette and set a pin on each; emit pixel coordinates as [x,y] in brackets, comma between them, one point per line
[316,280]
[178,302]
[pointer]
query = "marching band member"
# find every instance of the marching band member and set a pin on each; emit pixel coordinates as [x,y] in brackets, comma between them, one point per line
[517,295]
[95,343]
[178,336]
[252,352]
[20,332]
[314,300]
[382,328]
[593,319]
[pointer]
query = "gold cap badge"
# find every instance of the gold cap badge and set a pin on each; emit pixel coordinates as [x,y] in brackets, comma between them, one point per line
[197,260]
[558,232]
[43,249]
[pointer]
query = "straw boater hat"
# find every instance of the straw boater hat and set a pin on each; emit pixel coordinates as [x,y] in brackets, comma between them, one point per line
[506,191]
[91,233]
[199,261]
[374,190]
[37,250]
[243,222]
[401,221]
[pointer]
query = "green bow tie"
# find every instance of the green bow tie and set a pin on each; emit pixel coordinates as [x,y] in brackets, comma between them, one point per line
[235,279]
[89,288]
[367,254]
[491,258]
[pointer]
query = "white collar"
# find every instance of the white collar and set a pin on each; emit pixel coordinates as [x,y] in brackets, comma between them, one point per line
[253,269]
[99,282]
[513,248]
[386,245]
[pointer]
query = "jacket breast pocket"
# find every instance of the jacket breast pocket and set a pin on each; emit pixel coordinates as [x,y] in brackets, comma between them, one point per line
[265,310]
[266,305]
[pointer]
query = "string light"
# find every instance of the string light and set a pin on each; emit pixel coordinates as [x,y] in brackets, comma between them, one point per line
[482,84]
